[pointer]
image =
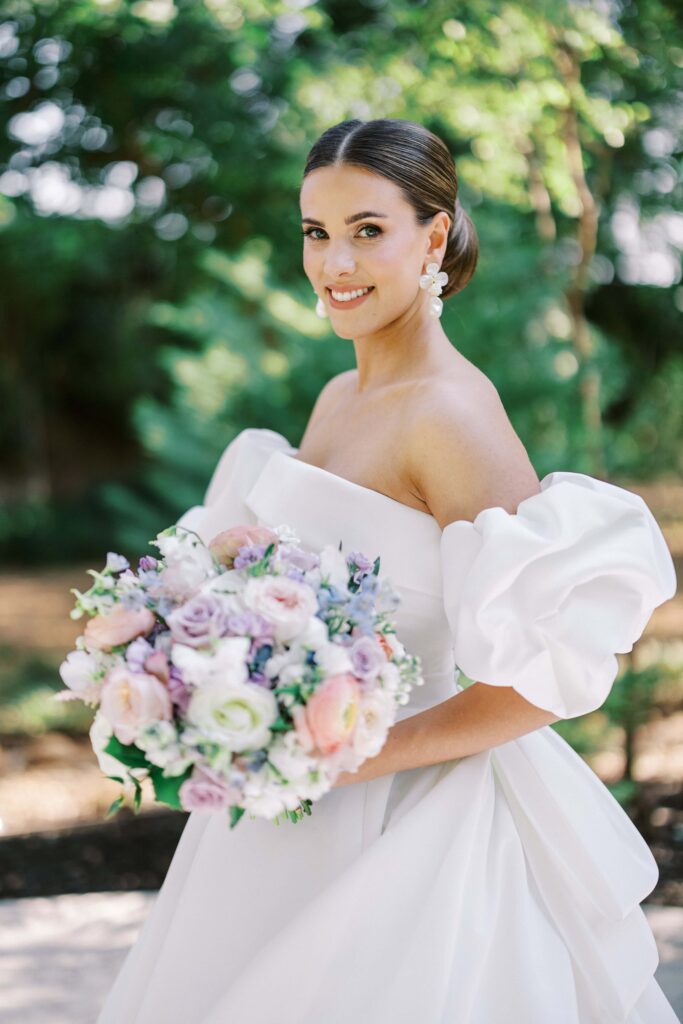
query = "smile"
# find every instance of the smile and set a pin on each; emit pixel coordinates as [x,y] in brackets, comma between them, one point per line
[349,299]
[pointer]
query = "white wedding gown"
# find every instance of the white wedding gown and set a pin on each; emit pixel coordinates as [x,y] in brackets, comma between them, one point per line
[499,888]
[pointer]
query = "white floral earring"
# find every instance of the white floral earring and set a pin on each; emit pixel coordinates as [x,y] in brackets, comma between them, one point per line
[320,307]
[433,281]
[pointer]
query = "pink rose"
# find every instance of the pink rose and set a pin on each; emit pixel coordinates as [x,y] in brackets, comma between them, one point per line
[118,626]
[206,790]
[330,713]
[130,700]
[288,604]
[225,545]
[157,665]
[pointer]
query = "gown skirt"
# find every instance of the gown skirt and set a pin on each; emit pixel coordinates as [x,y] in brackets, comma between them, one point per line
[498,888]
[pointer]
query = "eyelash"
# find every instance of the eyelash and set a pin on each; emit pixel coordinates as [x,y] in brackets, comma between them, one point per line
[377,228]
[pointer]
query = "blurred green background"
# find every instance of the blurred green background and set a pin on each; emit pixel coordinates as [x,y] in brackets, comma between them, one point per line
[154,301]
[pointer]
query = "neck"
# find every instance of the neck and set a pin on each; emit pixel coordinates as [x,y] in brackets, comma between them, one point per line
[400,351]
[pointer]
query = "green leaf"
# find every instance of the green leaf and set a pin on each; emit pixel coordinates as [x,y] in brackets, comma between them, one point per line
[114,807]
[166,789]
[235,815]
[127,754]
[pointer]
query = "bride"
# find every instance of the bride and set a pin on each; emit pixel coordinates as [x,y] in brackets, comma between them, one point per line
[475,871]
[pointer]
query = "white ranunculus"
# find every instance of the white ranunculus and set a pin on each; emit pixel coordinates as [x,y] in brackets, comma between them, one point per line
[285,602]
[334,659]
[376,715]
[333,566]
[237,715]
[227,661]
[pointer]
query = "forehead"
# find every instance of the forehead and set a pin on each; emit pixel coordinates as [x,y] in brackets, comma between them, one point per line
[335,190]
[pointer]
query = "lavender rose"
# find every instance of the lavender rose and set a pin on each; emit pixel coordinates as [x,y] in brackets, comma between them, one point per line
[206,790]
[367,657]
[201,619]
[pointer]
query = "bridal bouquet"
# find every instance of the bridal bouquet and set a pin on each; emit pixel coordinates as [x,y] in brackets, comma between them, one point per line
[243,675]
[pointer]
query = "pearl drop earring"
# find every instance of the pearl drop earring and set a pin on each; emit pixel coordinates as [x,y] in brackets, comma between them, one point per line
[433,282]
[320,307]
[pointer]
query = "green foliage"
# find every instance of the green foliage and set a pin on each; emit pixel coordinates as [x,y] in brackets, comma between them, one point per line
[166,788]
[155,301]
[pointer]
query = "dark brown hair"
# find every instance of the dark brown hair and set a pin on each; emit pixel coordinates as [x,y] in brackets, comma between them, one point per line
[422,166]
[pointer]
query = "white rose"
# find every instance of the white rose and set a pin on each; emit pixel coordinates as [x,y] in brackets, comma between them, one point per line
[227,661]
[237,715]
[334,659]
[376,714]
[285,602]
[333,566]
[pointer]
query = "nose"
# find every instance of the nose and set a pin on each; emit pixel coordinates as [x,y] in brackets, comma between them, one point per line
[338,260]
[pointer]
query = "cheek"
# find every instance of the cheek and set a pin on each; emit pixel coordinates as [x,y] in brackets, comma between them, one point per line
[311,264]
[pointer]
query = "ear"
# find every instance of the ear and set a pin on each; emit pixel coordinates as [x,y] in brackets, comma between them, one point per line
[437,237]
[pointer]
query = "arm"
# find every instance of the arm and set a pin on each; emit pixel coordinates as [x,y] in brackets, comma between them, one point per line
[469,439]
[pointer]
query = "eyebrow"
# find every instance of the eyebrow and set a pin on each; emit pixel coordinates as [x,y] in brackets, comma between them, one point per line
[347,220]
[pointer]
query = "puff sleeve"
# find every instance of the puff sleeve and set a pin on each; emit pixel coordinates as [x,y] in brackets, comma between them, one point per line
[238,467]
[544,599]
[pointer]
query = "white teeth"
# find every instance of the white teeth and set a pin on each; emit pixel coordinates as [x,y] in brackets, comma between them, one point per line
[347,296]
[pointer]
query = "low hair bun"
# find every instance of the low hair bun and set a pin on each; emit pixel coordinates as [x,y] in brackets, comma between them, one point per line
[462,251]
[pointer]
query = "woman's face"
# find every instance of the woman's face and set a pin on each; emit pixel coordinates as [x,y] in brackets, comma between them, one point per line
[382,247]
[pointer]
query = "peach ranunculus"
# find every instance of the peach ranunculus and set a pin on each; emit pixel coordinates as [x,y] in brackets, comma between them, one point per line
[328,719]
[130,700]
[118,626]
[225,545]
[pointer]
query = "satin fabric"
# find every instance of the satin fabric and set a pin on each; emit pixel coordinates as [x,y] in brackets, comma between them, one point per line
[500,888]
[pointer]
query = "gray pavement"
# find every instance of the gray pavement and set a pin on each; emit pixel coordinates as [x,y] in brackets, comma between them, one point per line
[59,954]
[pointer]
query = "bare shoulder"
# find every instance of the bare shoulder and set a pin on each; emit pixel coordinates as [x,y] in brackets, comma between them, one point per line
[463,454]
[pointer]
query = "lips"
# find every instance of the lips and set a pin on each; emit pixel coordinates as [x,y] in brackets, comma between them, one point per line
[349,303]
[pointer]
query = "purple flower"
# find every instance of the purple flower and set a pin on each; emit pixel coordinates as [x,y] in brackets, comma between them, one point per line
[178,691]
[199,620]
[249,623]
[134,599]
[146,563]
[248,554]
[360,564]
[137,653]
[206,790]
[298,558]
[367,657]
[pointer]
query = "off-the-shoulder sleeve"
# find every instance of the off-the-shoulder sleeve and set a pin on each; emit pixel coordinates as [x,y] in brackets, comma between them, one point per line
[235,472]
[544,599]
